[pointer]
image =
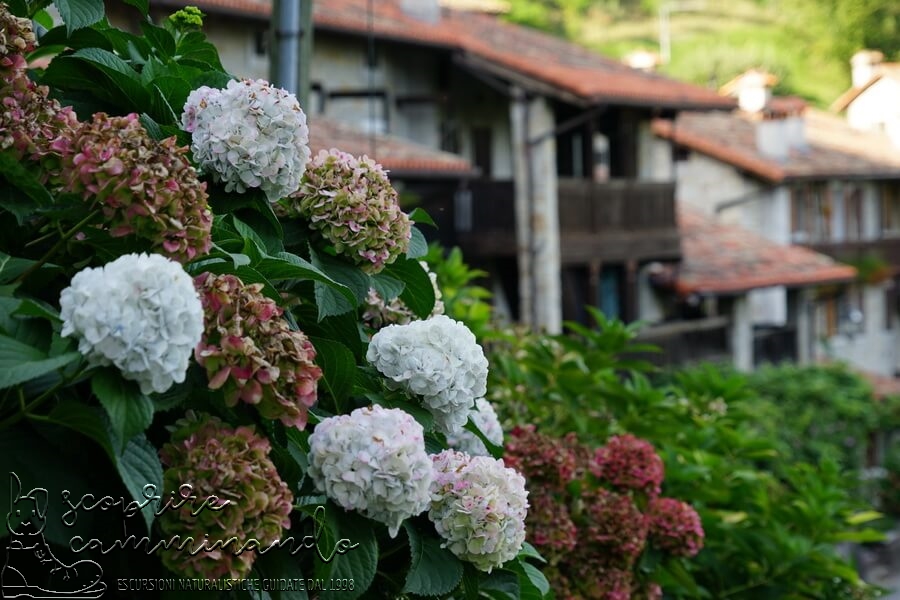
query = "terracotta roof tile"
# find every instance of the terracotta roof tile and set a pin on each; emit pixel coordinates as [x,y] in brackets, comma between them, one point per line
[396,155]
[527,52]
[882,385]
[832,150]
[726,259]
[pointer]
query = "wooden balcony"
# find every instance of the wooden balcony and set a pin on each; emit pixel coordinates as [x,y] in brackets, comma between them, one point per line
[611,221]
[887,248]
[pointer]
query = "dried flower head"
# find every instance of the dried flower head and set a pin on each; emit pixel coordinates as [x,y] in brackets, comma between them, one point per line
[139,313]
[373,461]
[251,353]
[16,39]
[478,506]
[546,462]
[612,524]
[352,205]
[439,361]
[145,188]
[675,527]
[232,464]
[249,135]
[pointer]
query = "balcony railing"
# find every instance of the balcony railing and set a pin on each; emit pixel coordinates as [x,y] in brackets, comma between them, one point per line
[615,220]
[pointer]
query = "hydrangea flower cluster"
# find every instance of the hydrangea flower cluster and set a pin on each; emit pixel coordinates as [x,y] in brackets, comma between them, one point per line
[29,119]
[251,353]
[485,419]
[478,506]
[629,463]
[437,359]
[378,313]
[353,206]
[145,188]
[613,523]
[373,461]
[140,313]
[587,519]
[249,135]
[233,465]
[675,527]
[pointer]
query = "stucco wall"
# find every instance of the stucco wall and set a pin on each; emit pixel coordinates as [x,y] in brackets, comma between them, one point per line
[878,107]
[875,348]
[704,182]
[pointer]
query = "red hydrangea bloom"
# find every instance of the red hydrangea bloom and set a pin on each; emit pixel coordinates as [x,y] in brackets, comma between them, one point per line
[612,521]
[675,527]
[145,188]
[251,353]
[540,458]
[233,465]
[550,526]
[629,463]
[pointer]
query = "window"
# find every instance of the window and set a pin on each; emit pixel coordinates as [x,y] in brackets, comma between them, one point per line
[853,213]
[810,213]
[841,314]
[261,42]
[890,210]
[481,150]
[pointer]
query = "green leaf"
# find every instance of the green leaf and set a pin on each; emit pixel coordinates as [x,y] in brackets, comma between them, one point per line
[338,368]
[433,570]
[138,466]
[152,127]
[418,294]
[344,273]
[80,13]
[20,362]
[141,5]
[859,537]
[532,583]
[37,308]
[359,563]
[418,246]
[418,215]
[529,551]
[495,450]
[864,517]
[159,39]
[387,287]
[26,182]
[276,564]
[84,419]
[285,266]
[130,412]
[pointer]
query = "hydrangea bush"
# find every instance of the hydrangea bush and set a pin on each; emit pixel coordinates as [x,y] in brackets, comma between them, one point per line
[597,515]
[165,343]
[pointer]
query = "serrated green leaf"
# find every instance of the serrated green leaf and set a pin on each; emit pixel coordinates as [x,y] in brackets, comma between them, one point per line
[26,182]
[141,5]
[159,39]
[344,273]
[278,563]
[418,215]
[36,308]
[418,294]
[285,266]
[529,551]
[138,466]
[387,287]
[338,368]
[358,563]
[532,583]
[418,245]
[433,570]
[20,362]
[84,419]
[80,13]
[130,412]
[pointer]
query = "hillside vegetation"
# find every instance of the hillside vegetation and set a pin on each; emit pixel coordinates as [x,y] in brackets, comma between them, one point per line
[807,43]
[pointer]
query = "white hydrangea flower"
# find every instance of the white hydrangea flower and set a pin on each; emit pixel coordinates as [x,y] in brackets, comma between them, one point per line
[478,506]
[437,359]
[140,313]
[485,419]
[249,135]
[373,461]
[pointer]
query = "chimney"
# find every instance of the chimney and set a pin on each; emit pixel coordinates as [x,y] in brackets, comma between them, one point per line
[772,138]
[864,65]
[754,90]
[642,60]
[428,11]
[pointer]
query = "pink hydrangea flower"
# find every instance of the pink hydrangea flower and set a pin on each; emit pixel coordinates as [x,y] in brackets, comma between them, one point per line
[675,527]
[352,205]
[629,463]
[232,464]
[145,188]
[251,353]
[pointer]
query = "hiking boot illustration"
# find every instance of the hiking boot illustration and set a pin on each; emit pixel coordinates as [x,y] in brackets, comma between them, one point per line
[31,570]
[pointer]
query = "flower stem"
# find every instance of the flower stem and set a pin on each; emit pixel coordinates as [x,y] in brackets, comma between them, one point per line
[25,409]
[57,246]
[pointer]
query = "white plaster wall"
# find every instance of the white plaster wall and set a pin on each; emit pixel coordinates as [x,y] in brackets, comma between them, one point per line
[878,107]
[704,182]
[875,348]
[654,156]
[236,43]
[768,306]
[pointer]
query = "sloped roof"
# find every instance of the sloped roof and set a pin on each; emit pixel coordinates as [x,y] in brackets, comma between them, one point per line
[399,156]
[833,149]
[725,259]
[527,53]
